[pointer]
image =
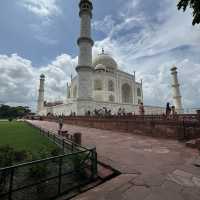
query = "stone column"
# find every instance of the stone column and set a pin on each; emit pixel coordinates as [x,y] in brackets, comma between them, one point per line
[142,94]
[176,90]
[40,102]
[134,88]
[85,43]
[68,93]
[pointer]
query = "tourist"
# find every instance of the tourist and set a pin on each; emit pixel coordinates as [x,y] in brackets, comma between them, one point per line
[60,123]
[101,112]
[88,113]
[95,112]
[109,113]
[119,112]
[141,109]
[168,110]
[123,112]
[173,111]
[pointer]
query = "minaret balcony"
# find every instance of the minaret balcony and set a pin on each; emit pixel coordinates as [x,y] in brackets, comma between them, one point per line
[85,8]
[85,39]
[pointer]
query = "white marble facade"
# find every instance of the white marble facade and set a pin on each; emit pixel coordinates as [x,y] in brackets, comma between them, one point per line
[109,84]
[111,88]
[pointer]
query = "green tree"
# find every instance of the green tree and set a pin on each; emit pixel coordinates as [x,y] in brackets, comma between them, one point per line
[13,112]
[194,5]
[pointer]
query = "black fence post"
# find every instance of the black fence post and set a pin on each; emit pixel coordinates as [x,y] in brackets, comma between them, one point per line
[63,144]
[93,163]
[60,175]
[185,125]
[72,149]
[11,184]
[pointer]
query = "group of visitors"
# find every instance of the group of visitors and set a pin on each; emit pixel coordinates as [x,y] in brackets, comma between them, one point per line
[121,112]
[170,110]
[102,112]
[72,114]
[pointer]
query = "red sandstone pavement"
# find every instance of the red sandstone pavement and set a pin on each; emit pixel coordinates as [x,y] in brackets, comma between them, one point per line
[152,169]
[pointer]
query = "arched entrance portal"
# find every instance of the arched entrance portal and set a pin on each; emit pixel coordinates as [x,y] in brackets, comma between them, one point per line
[127,96]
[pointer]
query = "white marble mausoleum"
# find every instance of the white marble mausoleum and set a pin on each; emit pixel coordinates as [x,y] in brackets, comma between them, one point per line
[99,81]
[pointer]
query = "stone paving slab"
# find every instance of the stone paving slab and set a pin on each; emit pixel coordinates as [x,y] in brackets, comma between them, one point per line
[151,168]
[112,189]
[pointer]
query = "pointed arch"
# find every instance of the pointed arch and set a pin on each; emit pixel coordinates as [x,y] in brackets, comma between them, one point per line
[111,98]
[127,96]
[98,85]
[111,86]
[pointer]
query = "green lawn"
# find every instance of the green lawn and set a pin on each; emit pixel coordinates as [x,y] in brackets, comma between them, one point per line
[21,136]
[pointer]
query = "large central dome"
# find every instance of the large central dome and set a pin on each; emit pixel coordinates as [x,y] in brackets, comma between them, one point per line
[105,60]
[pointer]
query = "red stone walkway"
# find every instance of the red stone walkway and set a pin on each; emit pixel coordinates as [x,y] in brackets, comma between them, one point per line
[152,169]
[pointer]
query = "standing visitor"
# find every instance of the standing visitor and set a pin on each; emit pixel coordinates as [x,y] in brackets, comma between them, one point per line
[141,109]
[173,111]
[168,110]
[119,112]
[60,123]
[123,112]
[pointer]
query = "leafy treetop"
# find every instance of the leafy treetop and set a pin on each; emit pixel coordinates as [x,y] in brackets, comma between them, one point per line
[194,5]
[13,112]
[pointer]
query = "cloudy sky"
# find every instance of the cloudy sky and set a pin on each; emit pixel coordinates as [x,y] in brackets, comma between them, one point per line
[146,36]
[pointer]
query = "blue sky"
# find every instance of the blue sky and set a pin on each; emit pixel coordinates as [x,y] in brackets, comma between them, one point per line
[39,36]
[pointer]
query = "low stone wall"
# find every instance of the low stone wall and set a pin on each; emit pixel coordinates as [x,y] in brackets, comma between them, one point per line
[172,129]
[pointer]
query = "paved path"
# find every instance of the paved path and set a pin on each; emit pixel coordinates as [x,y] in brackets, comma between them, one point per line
[152,169]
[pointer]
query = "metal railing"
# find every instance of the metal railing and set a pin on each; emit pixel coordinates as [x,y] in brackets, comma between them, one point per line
[67,145]
[51,177]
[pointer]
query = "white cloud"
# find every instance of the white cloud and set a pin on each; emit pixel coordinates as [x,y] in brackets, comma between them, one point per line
[19,79]
[150,41]
[16,79]
[104,25]
[42,8]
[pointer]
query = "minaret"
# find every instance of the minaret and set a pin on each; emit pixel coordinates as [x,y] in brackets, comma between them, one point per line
[68,91]
[134,88]
[40,102]
[176,90]
[142,94]
[85,43]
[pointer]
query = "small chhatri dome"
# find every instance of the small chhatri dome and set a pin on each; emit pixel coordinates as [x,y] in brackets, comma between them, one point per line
[42,76]
[174,68]
[106,60]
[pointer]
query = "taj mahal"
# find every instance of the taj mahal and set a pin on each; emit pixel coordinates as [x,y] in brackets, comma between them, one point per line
[99,81]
